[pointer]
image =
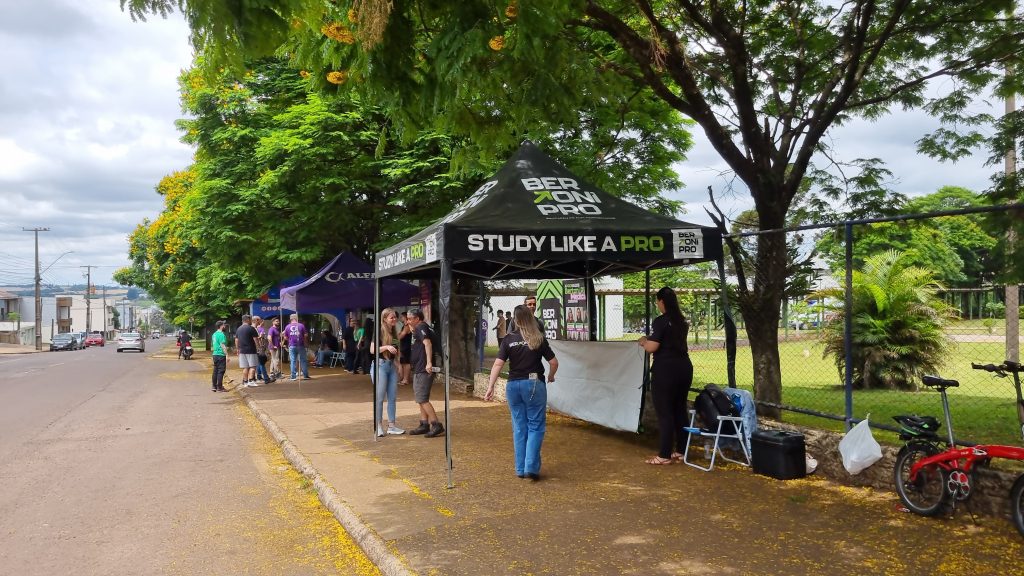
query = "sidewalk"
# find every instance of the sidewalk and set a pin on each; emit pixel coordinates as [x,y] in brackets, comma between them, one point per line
[19,349]
[598,508]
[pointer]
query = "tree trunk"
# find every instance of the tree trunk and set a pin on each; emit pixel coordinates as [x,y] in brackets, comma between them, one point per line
[462,322]
[761,314]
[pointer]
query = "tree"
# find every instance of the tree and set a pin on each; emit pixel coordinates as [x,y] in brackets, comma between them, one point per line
[897,325]
[955,248]
[699,276]
[765,80]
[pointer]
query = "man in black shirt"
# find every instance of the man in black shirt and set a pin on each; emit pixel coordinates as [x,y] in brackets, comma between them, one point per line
[531,303]
[245,343]
[184,338]
[423,375]
[348,344]
[328,346]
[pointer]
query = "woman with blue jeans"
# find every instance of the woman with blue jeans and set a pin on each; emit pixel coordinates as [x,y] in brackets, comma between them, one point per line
[526,391]
[385,373]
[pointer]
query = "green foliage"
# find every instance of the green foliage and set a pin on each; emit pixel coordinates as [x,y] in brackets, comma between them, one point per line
[898,325]
[699,276]
[955,248]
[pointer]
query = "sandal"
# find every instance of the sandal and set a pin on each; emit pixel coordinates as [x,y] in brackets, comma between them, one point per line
[677,456]
[658,461]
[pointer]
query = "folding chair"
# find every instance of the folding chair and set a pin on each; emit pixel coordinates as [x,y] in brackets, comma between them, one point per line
[337,357]
[738,433]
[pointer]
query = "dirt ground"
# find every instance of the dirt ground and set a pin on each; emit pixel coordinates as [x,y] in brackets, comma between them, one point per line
[598,508]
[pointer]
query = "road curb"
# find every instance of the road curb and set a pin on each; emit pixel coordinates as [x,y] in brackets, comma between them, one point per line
[372,544]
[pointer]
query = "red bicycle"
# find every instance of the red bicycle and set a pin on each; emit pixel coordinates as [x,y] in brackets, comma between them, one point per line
[928,476]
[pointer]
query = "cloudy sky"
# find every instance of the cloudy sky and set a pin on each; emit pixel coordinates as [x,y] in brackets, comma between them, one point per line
[88,99]
[87,104]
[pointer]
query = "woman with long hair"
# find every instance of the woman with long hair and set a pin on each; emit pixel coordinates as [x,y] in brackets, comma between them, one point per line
[671,375]
[526,391]
[385,373]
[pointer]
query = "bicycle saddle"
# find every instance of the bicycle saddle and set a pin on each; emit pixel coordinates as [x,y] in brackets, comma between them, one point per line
[937,382]
[917,426]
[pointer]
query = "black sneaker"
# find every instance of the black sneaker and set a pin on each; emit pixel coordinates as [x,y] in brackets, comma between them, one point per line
[423,428]
[435,430]
[533,476]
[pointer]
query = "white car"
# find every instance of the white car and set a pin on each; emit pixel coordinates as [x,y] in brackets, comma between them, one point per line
[131,341]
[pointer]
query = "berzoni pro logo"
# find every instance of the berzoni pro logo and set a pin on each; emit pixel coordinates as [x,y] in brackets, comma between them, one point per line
[562,196]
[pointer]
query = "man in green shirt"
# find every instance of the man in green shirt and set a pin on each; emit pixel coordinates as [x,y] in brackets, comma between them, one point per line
[220,355]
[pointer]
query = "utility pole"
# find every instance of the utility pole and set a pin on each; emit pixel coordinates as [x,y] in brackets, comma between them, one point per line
[39,298]
[88,296]
[104,311]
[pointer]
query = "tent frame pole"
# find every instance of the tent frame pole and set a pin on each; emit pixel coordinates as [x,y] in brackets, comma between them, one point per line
[444,300]
[376,352]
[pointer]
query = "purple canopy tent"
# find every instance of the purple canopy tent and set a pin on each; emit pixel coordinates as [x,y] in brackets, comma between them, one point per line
[346,282]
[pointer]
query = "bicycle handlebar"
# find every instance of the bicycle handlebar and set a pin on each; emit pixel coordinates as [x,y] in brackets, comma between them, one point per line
[1001,369]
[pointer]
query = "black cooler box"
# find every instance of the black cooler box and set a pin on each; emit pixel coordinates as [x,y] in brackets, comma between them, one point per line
[779,454]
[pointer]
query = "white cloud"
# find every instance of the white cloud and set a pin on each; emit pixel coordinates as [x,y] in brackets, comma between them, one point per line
[88,102]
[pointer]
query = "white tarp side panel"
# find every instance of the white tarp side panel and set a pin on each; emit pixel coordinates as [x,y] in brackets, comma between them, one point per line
[598,382]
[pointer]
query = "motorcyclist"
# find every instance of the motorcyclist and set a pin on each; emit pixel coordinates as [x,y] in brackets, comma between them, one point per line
[184,339]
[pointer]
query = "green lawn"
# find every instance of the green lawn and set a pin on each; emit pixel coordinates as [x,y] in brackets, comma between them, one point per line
[982,408]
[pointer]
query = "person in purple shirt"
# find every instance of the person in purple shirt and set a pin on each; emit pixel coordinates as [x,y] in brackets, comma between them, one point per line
[274,348]
[297,336]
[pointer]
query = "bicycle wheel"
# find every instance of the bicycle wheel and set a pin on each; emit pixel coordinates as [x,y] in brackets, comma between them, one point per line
[927,493]
[1017,504]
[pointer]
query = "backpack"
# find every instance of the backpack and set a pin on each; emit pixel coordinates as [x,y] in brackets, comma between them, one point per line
[712,402]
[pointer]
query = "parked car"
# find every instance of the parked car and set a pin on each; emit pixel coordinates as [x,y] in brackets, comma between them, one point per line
[80,339]
[131,341]
[95,339]
[155,336]
[63,341]
[803,321]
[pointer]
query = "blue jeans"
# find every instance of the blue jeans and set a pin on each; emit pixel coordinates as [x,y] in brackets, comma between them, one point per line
[298,353]
[387,382]
[261,372]
[527,401]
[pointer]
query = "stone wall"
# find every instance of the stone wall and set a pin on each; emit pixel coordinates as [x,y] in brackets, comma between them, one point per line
[992,493]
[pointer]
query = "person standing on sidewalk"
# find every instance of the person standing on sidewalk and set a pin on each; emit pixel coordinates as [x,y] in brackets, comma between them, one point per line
[423,375]
[220,355]
[405,349]
[500,327]
[262,347]
[348,344]
[384,374]
[245,343]
[525,392]
[297,336]
[671,376]
[274,348]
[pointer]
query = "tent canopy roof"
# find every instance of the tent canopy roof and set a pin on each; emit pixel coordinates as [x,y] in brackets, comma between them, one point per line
[345,282]
[536,219]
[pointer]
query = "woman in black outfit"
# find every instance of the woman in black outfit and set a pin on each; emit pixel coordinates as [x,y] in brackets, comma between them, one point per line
[671,375]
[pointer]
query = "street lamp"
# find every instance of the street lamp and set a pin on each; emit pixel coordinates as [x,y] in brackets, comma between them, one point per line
[55,261]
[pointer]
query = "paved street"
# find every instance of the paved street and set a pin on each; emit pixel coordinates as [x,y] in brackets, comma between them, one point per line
[127,464]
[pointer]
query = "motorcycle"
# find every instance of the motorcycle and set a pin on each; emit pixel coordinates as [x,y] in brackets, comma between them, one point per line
[187,352]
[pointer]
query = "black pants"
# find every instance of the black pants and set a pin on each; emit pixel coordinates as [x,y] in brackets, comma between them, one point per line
[220,366]
[670,384]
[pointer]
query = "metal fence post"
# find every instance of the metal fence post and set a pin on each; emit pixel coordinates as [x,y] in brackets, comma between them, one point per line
[848,327]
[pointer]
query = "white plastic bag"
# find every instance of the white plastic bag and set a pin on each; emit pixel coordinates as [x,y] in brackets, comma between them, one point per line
[859,448]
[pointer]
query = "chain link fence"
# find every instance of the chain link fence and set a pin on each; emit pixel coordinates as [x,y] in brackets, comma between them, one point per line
[903,327]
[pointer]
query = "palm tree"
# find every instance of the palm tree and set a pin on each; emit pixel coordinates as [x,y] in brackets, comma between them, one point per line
[898,325]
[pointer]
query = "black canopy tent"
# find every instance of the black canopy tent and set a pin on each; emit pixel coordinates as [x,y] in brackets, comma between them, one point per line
[535,219]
